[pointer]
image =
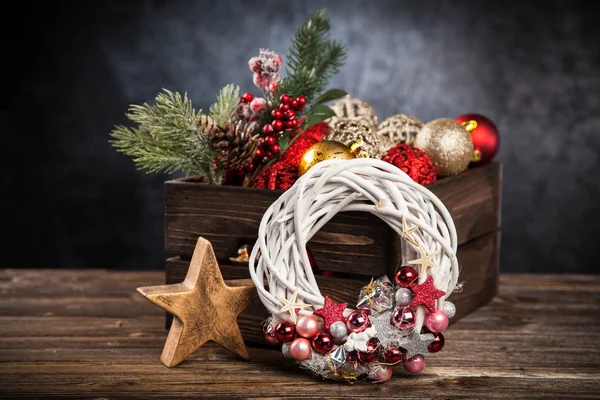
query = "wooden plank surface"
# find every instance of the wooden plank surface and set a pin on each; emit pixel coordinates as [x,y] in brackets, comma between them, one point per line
[88,334]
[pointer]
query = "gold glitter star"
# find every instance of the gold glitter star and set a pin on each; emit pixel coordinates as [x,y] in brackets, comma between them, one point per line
[290,306]
[406,232]
[426,261]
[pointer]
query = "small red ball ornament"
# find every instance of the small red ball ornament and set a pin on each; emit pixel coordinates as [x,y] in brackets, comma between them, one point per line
[405,276]
[372,351]
[277,114]
[393,356]
[403,318]
[294,104]
[290,114]
[414,162]
[268,129]
[277,125]
[284,99]
[285,331]
[284,107]
[269,140]
[485,137]
[322,342]
[357,322]
[301,100]
[246,98]
[437,344]
[415,364]
[275,149]
[270,336]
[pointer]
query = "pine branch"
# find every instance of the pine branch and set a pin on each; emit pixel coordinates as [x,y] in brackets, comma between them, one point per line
[227,102]
[167,138]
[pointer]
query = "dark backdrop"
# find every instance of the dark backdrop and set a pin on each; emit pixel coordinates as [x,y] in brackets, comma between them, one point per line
[71,201]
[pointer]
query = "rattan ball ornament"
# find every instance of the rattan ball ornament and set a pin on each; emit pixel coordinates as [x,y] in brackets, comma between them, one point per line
[323,150]
[399,128]
[448,144]
[358,134]
[285,280]
[351,107]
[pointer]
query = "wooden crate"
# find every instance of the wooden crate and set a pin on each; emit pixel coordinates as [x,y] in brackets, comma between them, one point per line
[356,246]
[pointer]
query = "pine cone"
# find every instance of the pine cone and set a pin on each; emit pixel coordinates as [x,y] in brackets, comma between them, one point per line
[235,143]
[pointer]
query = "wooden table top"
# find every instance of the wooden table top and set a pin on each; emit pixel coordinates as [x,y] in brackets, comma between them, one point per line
[89,334]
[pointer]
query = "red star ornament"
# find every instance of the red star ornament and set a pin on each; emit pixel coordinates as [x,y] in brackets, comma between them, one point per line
[425,294]
[331,312]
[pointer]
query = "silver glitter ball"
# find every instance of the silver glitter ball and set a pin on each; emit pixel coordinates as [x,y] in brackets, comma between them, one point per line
[338,330]
[285,349]
[403,297]
[449,308]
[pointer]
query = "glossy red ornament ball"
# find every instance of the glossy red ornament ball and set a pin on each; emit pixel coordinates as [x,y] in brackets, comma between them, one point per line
[284,107]
[275,149]
[405,276]
[322,342]
[484,134]
[393,355]
[258,153]
[285,331]
[372,351]
[268,129]
[404,318]
[277,114]
[269,140]
[270,336]
[289,124]
[437,344]
[249,167]
[294,104]
[412,161]
[284,99]
[289,114]
[246,98]
[277,125]
[301,100]
[357,322]
[295,122]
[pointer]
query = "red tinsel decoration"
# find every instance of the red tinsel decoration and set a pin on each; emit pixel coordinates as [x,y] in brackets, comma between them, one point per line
[282,174]
[414,162]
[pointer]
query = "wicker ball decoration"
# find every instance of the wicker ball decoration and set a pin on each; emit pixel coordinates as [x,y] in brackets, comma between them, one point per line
[351,107]
[349,130]
[399,128]
[279,265]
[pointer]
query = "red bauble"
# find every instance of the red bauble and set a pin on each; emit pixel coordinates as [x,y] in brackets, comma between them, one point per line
[277,114]
[484,134]
[275,148]
[372,351]
[289,114]
[414,162]
[284,107]
[322,342]
[437,344]
[405,276]
[271,337]
[246,98]
[284,99]
[404,318]
[268,129]
[285,331]
[294,104]
[301,100]
[393,355]
[259,153]
[277,125]
[357,322]
[269,140]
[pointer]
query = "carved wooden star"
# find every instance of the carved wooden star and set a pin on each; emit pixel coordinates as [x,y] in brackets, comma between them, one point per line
[426,261]
[290,306]
[406,231]
[425,294]
[204,307]
[331,312]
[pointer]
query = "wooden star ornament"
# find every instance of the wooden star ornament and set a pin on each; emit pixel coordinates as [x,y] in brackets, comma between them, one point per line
[204,307]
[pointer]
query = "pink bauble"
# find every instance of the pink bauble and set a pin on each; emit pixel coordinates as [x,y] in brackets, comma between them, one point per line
[300,349]
[436,321]
[415,364]
[357,322]
[307,326]
[381,374]
[404,318]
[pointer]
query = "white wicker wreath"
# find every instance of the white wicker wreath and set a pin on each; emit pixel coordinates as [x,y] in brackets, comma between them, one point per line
[279,264]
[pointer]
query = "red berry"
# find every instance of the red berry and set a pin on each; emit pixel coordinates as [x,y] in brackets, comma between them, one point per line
[265,159]
[284,107]
[249,167]
[268,129]
[322,342]
[289,124]
[269,141]
[259,153]
[285,331]
[300,108]
[294,104]
[289,114]
[277,114]
[246,98]
[284,99]
[295,123]
[277,125]
[275,148]
[269,155]
[301,100]
[437,344]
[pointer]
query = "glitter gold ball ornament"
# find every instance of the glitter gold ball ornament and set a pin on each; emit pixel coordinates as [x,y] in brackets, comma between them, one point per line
[357,133]
[324,150]
[448,144]
[351,107]
[400,128]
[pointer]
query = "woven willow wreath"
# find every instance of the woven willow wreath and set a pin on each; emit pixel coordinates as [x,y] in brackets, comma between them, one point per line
[395,322]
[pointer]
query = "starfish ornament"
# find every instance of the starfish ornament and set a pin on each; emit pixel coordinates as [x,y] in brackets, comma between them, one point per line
[406,232]
[415,344]
[204,307]
[331,312]
[290,306]
[426,261]
[425,294]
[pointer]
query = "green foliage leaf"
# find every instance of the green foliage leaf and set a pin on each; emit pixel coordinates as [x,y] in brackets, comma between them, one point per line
[319,113]
[227,102]
[331,94]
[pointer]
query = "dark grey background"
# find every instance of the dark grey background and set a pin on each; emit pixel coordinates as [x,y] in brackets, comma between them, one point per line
[71,201]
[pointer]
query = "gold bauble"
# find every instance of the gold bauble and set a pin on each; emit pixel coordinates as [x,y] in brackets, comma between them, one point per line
[351,130]
[400,128]
[448,144]
[324,150]
[351,107]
